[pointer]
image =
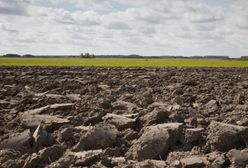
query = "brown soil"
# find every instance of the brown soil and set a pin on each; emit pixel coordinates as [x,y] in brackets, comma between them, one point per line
[123,117]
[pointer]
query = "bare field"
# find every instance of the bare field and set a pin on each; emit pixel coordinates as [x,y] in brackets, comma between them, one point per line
[123,117]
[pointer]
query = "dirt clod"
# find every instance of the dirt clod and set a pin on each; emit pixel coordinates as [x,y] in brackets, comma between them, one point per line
[155,141]
[18,141]
[99,137]
[224,136]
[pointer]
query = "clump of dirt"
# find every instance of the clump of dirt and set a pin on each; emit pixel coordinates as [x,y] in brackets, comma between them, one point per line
[123,117]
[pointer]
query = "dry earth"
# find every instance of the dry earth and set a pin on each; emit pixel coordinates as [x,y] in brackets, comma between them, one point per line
[123,117]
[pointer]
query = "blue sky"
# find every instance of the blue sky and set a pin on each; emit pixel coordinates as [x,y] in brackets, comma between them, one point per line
[159,27]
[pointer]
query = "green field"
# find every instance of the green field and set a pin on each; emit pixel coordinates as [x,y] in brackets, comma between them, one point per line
[121,62]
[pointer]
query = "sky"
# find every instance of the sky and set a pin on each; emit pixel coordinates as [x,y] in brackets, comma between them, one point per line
[144,27]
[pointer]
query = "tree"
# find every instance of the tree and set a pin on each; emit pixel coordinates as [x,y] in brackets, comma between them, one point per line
[87,55]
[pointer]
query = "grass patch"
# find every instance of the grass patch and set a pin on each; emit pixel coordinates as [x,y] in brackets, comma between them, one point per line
[121,62]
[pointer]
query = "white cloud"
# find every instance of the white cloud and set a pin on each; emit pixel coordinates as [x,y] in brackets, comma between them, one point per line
[13,7]
[9,28]
[118,25]
[89,18]
[123,27]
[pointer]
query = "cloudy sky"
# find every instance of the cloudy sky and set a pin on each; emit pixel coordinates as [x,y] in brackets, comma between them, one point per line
[147,27]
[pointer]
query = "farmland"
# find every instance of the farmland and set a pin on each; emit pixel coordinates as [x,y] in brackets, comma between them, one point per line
[122,62]
[118,117]
[124,84]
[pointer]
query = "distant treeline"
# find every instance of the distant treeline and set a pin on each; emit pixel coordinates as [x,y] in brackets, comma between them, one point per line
[38,56]
[170,57]
[244,57]
[167,56]
[87,55]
